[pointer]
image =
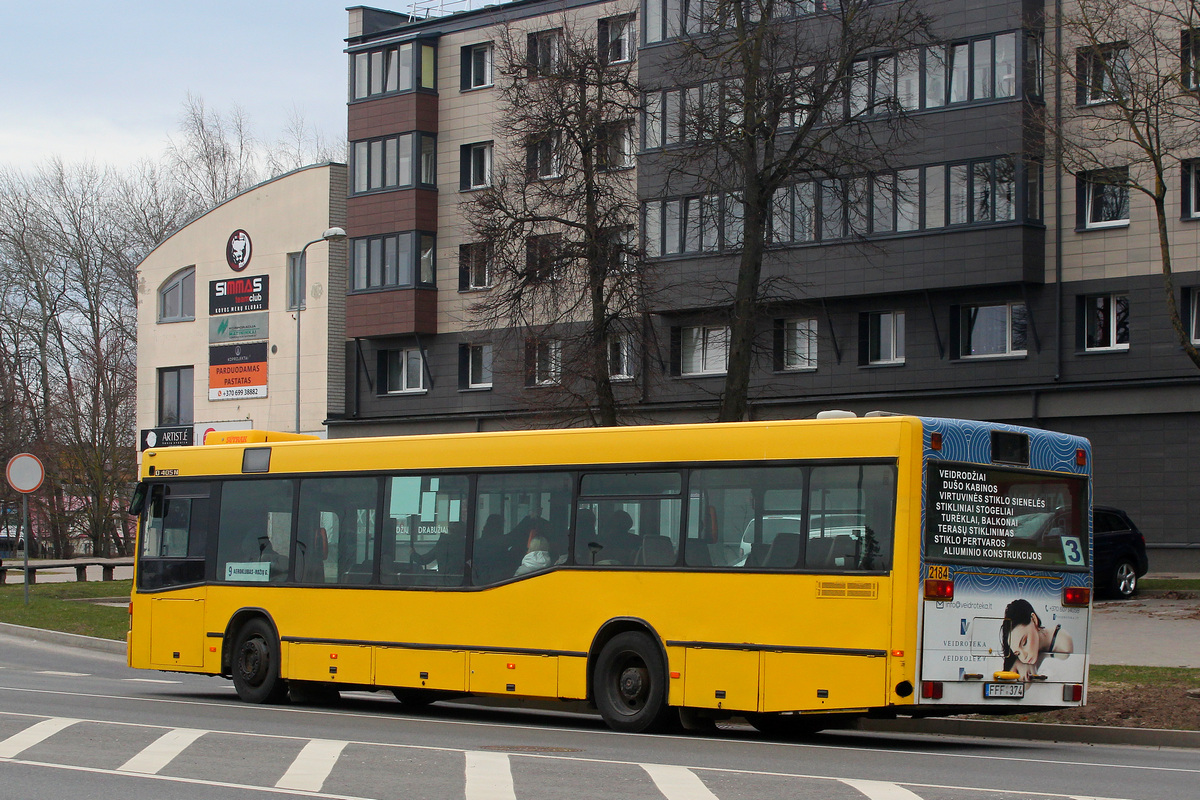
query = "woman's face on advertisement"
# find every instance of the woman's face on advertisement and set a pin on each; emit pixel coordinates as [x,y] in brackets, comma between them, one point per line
[1024,641]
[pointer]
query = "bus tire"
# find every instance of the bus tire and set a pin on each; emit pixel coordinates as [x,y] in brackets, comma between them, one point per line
[415,698]
[784,726]
[255,664]
[630,683]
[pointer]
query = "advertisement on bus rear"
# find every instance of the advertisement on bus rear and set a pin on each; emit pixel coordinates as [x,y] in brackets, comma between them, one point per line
[1003,623]
[1004,517]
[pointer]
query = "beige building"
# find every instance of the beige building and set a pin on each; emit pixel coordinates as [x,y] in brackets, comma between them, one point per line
[241,314]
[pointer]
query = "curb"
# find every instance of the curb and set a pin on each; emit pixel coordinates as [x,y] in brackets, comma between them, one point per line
[61,638]
[1036,731]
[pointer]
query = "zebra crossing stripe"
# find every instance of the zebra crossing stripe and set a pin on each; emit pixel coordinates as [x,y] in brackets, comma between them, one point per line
[880,790]
[18,743]
[161,751]
[678,783]
[489,776]
[312,766]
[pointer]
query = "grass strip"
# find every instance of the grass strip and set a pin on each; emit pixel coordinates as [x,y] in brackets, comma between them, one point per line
[58,607]
[1166,584]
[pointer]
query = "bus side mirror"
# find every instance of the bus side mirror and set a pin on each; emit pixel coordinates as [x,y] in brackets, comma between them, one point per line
[138,502]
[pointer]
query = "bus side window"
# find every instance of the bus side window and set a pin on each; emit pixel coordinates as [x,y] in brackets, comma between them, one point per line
[423,517]
[335,532]
[515,513]
[741,512]
[174,535]
[851,510]
[255,531]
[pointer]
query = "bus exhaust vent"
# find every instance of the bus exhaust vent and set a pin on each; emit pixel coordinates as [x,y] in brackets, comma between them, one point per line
[863,590]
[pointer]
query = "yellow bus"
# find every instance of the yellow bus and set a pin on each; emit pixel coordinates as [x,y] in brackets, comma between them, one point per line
[795,573]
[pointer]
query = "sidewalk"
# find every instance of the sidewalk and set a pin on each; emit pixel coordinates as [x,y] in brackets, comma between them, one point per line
[1152,629]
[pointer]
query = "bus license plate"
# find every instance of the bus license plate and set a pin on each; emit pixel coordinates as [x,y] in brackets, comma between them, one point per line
[1004,690]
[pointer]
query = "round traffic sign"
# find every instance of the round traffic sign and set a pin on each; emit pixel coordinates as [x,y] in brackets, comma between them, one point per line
[24,472]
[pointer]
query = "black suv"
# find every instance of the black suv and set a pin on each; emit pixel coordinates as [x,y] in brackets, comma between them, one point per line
[1120,551]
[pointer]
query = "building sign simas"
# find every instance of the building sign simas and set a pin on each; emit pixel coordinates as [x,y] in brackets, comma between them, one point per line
[234,295]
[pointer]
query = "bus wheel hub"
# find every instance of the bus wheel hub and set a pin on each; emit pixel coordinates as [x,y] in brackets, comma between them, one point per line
[632,684]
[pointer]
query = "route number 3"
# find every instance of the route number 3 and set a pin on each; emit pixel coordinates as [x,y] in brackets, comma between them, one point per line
[1072,551]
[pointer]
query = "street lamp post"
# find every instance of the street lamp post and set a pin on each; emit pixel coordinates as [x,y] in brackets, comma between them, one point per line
[301,280]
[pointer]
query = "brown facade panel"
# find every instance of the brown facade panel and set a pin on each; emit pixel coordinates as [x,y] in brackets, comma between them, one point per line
[391,313]
[389,212]
[413,111]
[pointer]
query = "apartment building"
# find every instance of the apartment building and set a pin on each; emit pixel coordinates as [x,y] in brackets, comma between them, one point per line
[975,276]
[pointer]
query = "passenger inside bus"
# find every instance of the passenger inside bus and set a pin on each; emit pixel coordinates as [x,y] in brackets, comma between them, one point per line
[617,538]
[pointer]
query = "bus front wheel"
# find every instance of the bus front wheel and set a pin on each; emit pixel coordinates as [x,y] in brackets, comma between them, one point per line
[630,683]
[256,664]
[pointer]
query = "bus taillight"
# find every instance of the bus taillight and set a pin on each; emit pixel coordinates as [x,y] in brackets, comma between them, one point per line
[931,690]
[939,589]
[1078,596]
[1073,693]
[1081,457]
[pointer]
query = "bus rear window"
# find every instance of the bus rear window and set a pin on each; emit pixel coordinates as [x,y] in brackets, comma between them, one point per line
[982,515]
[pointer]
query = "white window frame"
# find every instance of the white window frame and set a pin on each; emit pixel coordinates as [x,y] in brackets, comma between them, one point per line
[1093,195]
[547,362]
[620,357]
[548,51]
[1009,350]
[892,323]
[704,350]
[403,360]
[799,345]
[479,366]
[488,54]
[179,282]
[617,146]
[547,157]
[486,262]
[1097,75]
[1110,301]
[1192,174]
[297,297]
[1196,316]
[626,24]
[481,158]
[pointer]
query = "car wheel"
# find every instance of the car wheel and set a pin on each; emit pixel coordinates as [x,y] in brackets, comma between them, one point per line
[1124,579]
[630,683]
[256,664]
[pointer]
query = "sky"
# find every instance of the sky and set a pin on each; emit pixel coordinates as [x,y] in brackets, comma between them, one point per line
[106,80]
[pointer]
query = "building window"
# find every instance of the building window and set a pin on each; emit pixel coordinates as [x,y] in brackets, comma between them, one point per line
[296,282]
[1191,190]
[387,163]
[1106,322]
[475,166]
[617,249]
[883,337]
[1102,73]
[997,330]
[401,371]
[474,266]
[684,225]
[1195,314]
[475,366]
[175,396]
[476,66]
[542,256]
[177,297]
[543,52]
[394,260]
[544,157]
[620,356]
[704,350]
[616,39]
[795,344]
[543,362]
[1103,198]
[392,69]
[614,148]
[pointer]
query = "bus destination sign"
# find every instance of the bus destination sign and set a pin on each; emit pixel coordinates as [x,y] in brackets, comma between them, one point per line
[980,514]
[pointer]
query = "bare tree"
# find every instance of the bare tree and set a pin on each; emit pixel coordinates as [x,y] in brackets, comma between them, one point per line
[556,224]
[301,144]
[1136,68]
[765,94]
[215,155]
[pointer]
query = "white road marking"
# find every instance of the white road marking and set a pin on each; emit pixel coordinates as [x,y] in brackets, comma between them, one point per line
[18,743]
[62,674]
[245,787]
[489,776]
[161,751]
[678,783]
[151,680]
[880,790]
[312,766]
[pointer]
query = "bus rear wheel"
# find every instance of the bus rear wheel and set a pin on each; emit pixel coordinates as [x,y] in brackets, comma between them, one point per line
[630,683]
[256,664]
